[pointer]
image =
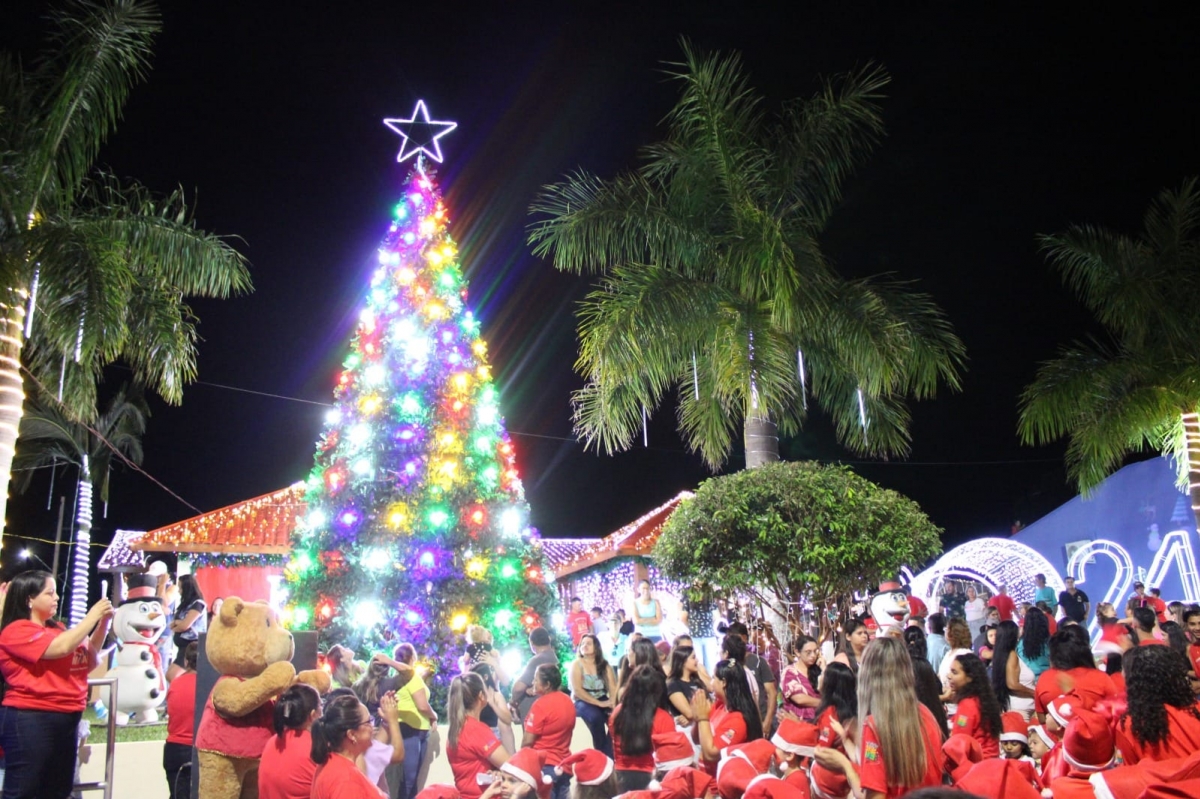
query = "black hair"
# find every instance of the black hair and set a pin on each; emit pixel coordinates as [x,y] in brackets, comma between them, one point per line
[679,658]
[798,643]
[1190,611]
[1113,663]
[929,691]
[191,656]
[645,691]
[577,599]
[405,653]
[598,656]
[1035,635]
[641,653]
[1008,637]
[737,628]
[680,640]
[23,588]
[539,636]
[918,646]
[1175,637]
[549,674]
[341,715]
[1145,618]
[979,687]
[845,647]
[294,706]
[738,697]
[598,609]
[1155,676]
[1067,652]
[734,647]
[937,623]
[839,690]
[485,671]
[189,591]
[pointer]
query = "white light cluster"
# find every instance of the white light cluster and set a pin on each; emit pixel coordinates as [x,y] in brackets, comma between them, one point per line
[993,562]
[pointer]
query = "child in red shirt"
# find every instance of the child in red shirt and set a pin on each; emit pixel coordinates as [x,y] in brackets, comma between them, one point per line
[978,712]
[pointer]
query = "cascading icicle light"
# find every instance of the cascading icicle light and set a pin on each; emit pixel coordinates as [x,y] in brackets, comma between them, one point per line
[82,566]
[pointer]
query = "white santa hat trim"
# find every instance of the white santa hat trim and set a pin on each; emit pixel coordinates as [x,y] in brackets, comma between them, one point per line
[760,778]
[1013,736]
[1054,710]
[667,765]
[795,749]
[1040,731]
[525,777]
[1084,766]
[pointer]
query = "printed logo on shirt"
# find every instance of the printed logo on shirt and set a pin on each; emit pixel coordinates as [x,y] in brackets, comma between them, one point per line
[871,752]
[728,736]
[960,721]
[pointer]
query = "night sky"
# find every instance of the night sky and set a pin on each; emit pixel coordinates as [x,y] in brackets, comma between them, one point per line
[1001,125]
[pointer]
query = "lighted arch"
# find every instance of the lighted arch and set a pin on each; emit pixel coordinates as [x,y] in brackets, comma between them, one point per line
[993,562]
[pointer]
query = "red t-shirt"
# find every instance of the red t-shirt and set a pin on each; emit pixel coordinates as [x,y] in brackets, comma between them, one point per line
[34,683]
[286,770]
[181,709]
[825,735]
[552,719]
[580,624]
[873,773]
[1003,603]
[917,608]
[1194,657]
[339,779]
[1092,685]
[1051,622]
[798,779]
[622,762]
[1182,739]
[1151,642]
[470,758]
[968,718]
[728,729]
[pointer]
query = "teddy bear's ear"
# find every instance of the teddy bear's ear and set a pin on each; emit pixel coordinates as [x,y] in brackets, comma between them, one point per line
[231,608]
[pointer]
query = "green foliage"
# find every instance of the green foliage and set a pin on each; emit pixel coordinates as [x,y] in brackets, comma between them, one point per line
[789,530]
[1128,392]
[711,277]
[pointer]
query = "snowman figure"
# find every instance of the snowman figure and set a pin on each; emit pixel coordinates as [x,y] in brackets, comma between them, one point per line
[138,623]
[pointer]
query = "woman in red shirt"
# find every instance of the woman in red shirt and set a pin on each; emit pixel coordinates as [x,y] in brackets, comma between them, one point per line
[287,768]
[899,751]
[634,723]
[1072,670]
[339,737]
[181,721]
[978,712]
[1163,719]
[471,747]
[45,668]
[732,719]
[549,725]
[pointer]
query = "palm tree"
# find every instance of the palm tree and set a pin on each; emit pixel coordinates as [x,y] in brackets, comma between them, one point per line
[712,279]
[96,271]
[1138,388]
[49,436]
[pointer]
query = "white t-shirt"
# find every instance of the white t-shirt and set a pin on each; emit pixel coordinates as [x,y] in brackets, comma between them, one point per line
[976,609]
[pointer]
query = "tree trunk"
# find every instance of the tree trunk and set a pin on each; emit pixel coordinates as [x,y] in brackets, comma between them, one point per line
[761,436]
[12,392]
[82,566]
[1191,432]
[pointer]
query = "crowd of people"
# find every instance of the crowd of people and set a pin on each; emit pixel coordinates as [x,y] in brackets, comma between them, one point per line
[1024,705]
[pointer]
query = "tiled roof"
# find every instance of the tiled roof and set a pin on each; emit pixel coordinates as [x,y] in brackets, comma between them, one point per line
[634,539]
[118,557]
[262,525]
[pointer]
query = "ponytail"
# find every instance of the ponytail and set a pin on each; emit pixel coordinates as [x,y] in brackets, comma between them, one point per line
[341,715]
[465,690]
[294,707]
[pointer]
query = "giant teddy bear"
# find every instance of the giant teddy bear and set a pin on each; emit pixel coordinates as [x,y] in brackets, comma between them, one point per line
[252,652]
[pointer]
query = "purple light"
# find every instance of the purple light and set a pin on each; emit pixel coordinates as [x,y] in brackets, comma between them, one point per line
[349,518]
[427,559]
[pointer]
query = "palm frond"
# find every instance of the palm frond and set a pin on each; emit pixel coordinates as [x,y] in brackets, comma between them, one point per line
[101,51]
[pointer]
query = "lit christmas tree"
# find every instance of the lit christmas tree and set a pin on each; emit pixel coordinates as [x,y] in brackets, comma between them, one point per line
[417,524]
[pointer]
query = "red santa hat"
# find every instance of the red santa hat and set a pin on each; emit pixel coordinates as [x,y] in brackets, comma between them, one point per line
[767,786]
[1015,727]
[441,791]
[1048,738]
[796,737]
[757,753]
[1064,707]
[683,782]
[962,751]
[587,766]
[733,776]
[1088,743]
[1186,789]
[526,765]
[672,749]
[997,778]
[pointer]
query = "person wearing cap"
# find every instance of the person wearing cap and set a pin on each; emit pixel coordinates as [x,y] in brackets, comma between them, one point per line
[439,791]
[1014,737]
[45,668]
[523,776]
[1088,746]
[1001,779]
[795,743]
[899,751]
[549,725]
[1041,742]
[1163,719]
[594,772]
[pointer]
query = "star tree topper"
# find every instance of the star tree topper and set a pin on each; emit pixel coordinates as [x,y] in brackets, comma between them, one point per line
[420,134]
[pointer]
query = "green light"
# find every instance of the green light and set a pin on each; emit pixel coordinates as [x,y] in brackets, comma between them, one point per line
[447,279]
[438,517]
[484,444]
[504,618]
[301,616]
[508,570]
[410,404]
[302,563]
[352,360]
[489,477]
